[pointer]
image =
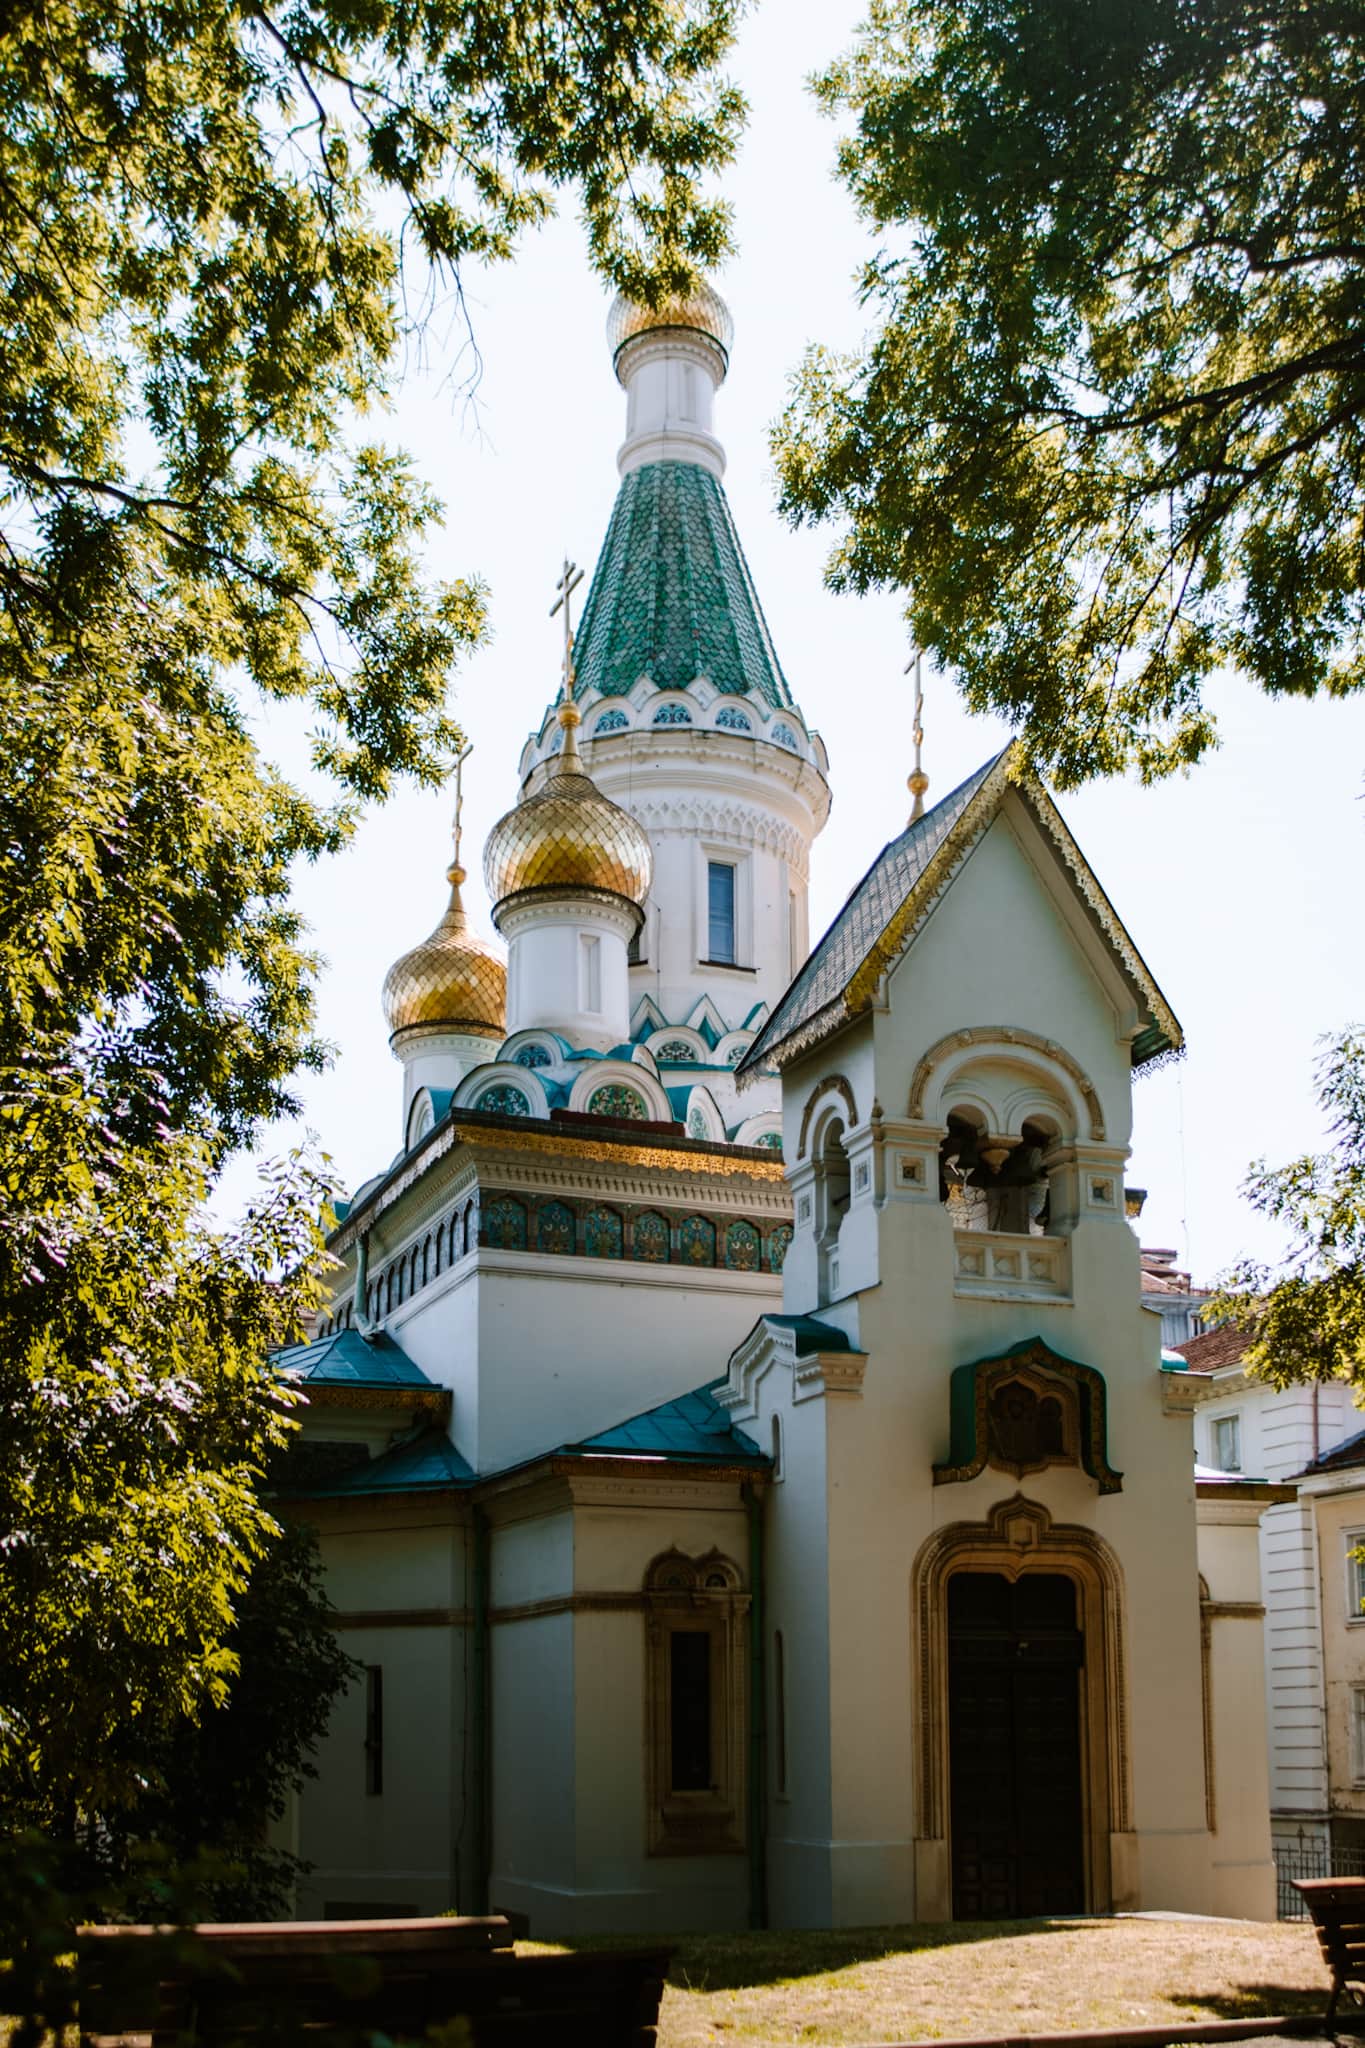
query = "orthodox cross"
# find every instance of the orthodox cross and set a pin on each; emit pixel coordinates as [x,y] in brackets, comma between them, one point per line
[917,782]
[460,760]
[566,586]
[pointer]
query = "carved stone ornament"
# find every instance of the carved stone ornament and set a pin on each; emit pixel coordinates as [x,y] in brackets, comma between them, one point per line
[1025,1410]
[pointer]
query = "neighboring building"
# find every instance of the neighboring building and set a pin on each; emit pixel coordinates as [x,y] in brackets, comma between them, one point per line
[1248,1427]
[1333,1487]
[734,1435]
[1166,1290]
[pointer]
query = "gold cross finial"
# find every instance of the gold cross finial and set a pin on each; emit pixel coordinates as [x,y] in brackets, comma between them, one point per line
[917,782]
[455,874]
[568,583]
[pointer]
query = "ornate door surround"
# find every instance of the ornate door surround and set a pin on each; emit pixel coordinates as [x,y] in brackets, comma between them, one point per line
[1019,1535]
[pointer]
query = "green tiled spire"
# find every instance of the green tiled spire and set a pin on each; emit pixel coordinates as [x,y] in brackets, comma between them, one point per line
[672,597]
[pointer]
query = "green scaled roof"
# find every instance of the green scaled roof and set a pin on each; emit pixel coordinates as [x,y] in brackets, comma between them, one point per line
[694,1427]
[348,1359]
[672,597]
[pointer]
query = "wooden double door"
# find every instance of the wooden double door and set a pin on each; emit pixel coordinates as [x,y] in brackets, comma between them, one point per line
[1015,1657]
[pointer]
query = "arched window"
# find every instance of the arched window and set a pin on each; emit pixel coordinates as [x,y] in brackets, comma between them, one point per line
[778,1472]
[833,1191]
[614,1099]
[504,1100]
[992,1181]
[695,1626]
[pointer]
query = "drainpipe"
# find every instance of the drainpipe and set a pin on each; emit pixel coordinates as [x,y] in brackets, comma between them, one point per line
[478,1718]
[758,1715]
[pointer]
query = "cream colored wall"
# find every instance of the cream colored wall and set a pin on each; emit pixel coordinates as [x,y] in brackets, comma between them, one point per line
[1001,949]
[398,1848]
[569,1711]
[1339,1515]
[1238,1737]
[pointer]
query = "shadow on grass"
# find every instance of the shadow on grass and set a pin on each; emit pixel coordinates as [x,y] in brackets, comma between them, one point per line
[744,1962]
[1253,2001]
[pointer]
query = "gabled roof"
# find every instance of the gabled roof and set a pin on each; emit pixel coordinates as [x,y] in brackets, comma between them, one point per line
[425,1464]
[672,597]
[347,1359]
[810,1336]
[693,1428]
[899,890]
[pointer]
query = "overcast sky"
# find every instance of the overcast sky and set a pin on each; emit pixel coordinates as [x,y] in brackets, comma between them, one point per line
[1240,884]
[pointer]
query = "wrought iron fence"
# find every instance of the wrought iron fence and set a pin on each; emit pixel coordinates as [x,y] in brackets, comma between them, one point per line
[1310,1859]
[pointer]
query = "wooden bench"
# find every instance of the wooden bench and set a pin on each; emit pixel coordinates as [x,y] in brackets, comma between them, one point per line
[337,1982]
[1337,1905]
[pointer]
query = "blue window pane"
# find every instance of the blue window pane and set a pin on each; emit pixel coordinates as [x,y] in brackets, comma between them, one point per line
[720,911]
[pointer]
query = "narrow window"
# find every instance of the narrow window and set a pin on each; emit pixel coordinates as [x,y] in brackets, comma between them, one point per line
[720,907]
[777,1448]
[1355,1575]
[780,1713]
[374,1728]
[1227,1443]
[689,1685]
[590,961]
[635,951]
[1358,1733]
[793,936]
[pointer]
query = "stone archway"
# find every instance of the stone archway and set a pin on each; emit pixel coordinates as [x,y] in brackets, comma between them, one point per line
[1019,1536]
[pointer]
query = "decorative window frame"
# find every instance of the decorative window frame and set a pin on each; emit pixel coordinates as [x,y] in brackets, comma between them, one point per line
[507,1074]
[740,859]
[633,1074]
[1087,1424]
[1353,1575]
[703,1594]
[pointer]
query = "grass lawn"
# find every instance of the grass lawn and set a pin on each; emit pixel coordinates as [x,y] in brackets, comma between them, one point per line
[892,1984]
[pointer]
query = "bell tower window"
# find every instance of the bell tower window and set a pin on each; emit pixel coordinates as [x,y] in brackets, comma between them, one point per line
[993,1182]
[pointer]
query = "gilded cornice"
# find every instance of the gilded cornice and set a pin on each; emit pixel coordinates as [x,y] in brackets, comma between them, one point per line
[688,1158]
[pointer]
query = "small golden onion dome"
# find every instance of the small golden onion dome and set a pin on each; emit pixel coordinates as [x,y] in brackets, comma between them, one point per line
[704,310]
[567,837]
[453,981]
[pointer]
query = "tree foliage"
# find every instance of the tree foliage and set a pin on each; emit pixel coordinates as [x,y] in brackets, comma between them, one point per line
[211,218]
[1305,1315]
[1108,429]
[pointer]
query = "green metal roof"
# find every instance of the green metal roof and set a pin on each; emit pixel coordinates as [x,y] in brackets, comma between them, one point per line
[811,1335]
[427,1463]
[694,1427]
[672,597]
[348,1359]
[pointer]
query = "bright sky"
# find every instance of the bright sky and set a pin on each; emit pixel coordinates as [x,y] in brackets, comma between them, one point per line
[1240,884]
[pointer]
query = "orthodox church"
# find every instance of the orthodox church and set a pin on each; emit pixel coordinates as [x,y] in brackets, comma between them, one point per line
[749,1483]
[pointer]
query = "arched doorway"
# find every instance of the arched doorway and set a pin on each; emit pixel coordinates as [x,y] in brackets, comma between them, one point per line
[1016,1806]
[1018,1541]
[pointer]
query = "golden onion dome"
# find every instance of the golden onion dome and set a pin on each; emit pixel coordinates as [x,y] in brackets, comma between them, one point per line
[703,310]
[567,837]
[453,981]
